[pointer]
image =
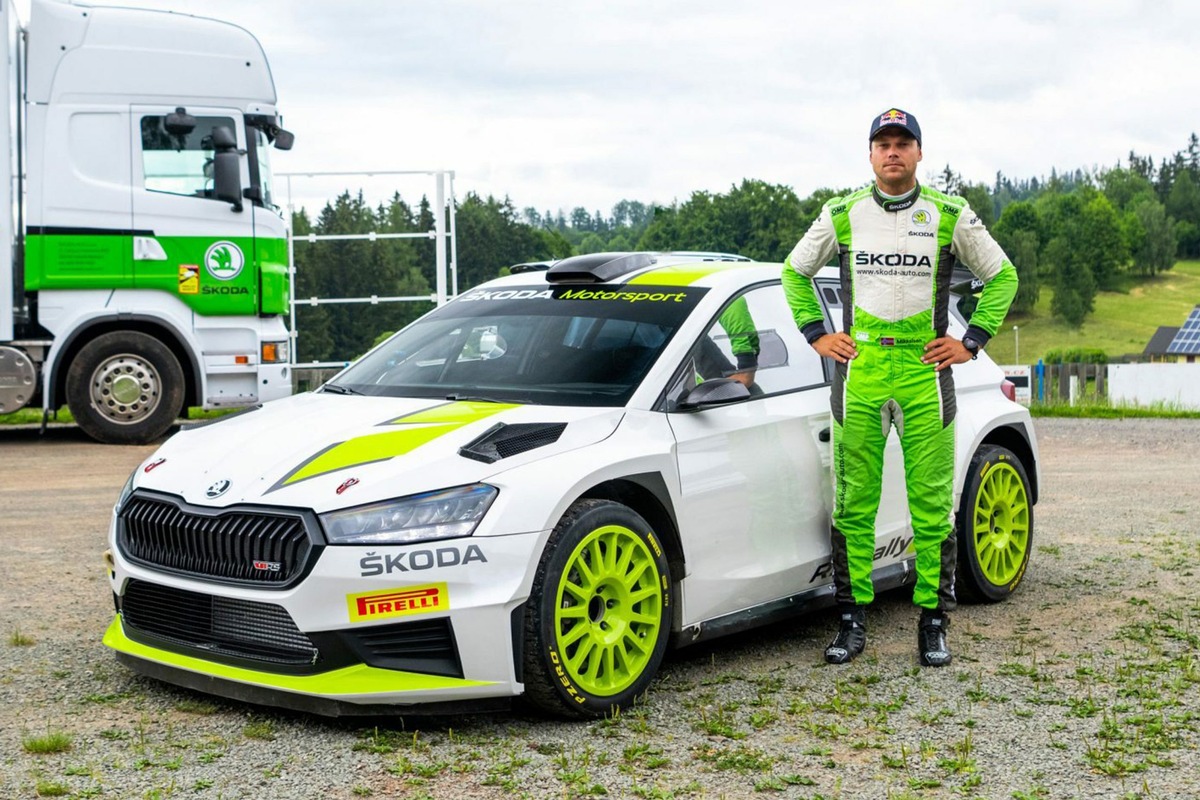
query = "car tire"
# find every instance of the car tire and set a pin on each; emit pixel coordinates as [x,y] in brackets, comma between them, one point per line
[598,616]
[125,387]
[994,526]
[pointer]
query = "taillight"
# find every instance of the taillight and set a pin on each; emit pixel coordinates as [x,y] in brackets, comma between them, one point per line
[1009,389]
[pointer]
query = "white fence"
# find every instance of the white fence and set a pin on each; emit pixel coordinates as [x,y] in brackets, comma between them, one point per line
[1173,385]
[445,253]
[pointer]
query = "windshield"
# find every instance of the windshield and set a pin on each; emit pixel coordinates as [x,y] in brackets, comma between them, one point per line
[566,345]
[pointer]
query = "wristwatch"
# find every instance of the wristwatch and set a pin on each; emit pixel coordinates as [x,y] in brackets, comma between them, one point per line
[972,347]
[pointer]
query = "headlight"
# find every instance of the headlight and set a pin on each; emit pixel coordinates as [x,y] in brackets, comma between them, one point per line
[434,515]
[274,352]
[126,490]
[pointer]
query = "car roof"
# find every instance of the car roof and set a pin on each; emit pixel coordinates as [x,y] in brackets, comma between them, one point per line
[687,268]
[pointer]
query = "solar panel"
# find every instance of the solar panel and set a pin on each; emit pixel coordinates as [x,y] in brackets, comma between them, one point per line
[1187,341]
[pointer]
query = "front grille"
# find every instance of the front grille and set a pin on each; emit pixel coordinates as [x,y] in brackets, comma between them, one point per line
[249,547]
[216,628]
[414,646]
[425,646]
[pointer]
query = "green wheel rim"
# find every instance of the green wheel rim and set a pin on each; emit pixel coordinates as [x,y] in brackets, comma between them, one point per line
[608,610]
[1000,529]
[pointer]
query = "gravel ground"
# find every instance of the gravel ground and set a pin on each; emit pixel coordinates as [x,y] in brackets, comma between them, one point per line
[1086,684]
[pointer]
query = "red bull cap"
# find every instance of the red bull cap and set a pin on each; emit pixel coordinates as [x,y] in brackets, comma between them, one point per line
[894,117]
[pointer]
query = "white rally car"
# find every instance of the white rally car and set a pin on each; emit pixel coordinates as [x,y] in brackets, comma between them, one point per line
[533,490]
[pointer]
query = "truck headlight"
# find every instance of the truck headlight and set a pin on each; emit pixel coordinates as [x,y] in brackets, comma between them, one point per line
[445,514]
[274,352]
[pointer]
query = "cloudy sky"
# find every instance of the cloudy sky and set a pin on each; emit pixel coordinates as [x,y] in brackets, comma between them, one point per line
[585,102]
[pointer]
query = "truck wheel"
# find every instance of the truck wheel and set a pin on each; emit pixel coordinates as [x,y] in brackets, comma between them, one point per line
[597,620]
[125,388]
[994,526]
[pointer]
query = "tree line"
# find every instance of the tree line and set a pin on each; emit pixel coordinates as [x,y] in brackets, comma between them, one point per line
[1077,233]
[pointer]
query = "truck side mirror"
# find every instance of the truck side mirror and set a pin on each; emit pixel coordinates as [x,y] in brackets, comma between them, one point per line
[284,139]
[223,138]
[227,179]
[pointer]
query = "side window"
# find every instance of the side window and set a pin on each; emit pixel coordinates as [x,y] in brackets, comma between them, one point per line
[754,339]
[180,163]
[830,293]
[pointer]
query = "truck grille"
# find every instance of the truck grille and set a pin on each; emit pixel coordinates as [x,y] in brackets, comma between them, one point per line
[221,628]
[268,550]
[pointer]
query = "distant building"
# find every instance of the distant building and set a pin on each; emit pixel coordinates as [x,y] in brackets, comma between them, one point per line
[1173,344]
[1156,350]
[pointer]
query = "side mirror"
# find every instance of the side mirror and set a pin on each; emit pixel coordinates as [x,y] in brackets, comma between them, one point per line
[223,138]
[227,178]
[179,122]
[715,392]
[284,139]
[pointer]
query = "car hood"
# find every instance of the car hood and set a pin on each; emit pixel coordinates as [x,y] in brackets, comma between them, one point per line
[324,451]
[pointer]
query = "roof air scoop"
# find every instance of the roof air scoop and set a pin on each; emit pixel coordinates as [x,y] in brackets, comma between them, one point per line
[598,267]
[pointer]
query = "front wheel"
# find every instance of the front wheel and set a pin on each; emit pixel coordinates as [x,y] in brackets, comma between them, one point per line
[994,526]
[598,616]
[125,387]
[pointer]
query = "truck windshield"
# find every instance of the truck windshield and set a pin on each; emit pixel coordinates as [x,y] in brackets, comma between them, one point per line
[565,345]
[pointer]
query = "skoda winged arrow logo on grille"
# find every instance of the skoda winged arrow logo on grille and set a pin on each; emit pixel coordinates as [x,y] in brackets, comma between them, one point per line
[217,489]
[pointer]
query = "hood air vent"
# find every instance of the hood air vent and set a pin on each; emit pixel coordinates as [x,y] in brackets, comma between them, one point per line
[501,440]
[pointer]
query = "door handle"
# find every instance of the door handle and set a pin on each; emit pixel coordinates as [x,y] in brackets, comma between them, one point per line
[147,248]
[823,435]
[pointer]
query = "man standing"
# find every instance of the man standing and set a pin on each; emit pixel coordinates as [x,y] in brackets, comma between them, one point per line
[897,243]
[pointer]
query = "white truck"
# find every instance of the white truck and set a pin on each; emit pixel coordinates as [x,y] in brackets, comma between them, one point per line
[148,267]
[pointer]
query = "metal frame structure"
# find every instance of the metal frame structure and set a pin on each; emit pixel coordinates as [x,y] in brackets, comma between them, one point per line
[446,258]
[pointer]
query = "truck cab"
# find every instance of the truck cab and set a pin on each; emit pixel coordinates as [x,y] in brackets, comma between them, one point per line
[149,267]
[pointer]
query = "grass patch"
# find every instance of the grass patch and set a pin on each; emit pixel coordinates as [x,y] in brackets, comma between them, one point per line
[33,416]
[52,742]
[18,639]
[201,708]
[262,729]
[1122,322]
[1092,409]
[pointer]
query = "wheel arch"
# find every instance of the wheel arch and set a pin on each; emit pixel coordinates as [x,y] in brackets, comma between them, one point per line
[151,326]
[647,495]
[1015,439]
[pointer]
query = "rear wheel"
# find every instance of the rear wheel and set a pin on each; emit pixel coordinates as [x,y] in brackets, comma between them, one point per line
[597,620]
[994,526]
[125,387]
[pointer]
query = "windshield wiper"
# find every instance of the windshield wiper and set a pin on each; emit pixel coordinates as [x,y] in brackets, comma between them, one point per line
[337,388]
[477,398]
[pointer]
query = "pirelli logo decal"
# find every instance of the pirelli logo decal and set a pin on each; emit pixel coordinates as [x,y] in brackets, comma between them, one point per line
[398,602]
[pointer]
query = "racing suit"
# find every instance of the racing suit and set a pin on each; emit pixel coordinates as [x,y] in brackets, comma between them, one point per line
[896,257]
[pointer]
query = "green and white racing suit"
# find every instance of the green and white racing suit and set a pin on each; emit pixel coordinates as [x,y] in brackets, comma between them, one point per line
[896,257]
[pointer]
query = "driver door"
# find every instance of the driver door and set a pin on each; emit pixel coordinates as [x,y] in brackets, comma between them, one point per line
[754,475]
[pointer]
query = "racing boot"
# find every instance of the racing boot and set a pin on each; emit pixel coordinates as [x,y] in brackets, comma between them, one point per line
[932,649]
[851,636]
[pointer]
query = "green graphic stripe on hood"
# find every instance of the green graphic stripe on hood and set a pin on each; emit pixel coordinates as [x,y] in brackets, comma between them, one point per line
[416,429]
[458,413]
[358,679]
[684,274]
